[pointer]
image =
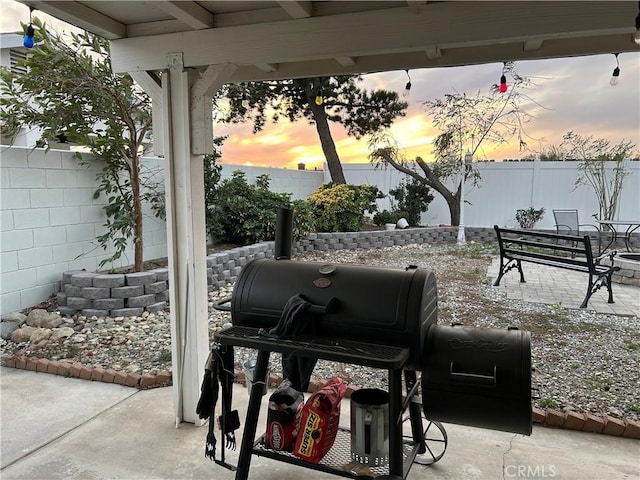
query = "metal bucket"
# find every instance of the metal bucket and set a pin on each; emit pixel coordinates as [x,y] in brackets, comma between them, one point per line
[249,368]
[370,427]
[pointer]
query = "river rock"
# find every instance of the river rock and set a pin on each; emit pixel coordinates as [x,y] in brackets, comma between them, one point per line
[40,334]
[7,329]
[15,317]
[22,334]
[52,321]
[62,332]
[36,317]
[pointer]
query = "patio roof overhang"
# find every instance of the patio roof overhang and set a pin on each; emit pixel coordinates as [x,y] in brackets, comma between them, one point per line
[200,45]
[292,39]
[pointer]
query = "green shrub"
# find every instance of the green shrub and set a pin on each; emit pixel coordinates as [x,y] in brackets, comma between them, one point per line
[528,217]
[303,219]
[412,197]
[340,207]
[246,213]
[386,216]
[212,175]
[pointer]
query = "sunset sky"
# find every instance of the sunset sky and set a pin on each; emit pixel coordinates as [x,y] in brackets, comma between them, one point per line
[574,92]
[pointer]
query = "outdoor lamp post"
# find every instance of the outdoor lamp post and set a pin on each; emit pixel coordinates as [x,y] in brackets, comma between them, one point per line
[468,158]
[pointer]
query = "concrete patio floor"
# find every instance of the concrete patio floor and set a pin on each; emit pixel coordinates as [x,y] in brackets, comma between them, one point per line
[557,286]
[62,428]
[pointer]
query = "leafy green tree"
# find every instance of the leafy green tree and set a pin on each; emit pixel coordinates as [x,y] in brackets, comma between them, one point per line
[466,124]
[71,91]
[320,100]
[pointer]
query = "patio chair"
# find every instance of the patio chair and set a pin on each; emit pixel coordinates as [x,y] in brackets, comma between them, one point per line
[567,223]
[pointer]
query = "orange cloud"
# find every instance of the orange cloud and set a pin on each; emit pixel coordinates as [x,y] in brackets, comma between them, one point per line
[572,93]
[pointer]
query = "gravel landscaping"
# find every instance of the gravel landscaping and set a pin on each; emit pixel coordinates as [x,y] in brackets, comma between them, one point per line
[582,361]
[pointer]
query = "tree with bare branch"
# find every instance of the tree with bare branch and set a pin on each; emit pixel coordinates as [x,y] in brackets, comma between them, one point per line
[467,124]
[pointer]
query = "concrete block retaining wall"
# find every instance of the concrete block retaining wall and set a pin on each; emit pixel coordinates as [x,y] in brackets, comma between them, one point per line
[115,295]
[131,294]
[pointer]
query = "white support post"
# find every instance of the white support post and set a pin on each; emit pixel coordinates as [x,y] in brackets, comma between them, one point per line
[184,187]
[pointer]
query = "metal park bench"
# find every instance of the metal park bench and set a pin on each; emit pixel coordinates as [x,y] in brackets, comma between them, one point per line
[570,252]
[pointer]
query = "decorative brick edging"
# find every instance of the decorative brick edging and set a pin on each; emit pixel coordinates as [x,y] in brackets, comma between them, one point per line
[88,372]
[584,422]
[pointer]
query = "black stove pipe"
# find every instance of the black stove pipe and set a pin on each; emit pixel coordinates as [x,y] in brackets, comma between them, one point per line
[284,234]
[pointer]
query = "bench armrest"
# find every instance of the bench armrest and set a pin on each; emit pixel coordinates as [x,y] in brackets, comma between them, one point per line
[610,254]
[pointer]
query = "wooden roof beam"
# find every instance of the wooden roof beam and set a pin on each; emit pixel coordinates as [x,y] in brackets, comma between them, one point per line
[532,45]
[346,61]
[433,51]
[298,9]
[189,13]
[83,17]
[267,67]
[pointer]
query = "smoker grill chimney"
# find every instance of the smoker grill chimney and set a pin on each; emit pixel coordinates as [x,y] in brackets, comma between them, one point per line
[284,234]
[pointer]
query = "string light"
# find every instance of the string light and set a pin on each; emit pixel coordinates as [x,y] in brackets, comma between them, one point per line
[615,76]
[636,35]
[319,98]
[503,79]
[28,40]
[407,87]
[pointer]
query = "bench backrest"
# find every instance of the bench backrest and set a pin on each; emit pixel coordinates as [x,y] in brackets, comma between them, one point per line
[569,249]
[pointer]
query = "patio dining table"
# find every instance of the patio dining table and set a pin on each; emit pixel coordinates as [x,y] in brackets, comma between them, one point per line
[616,227]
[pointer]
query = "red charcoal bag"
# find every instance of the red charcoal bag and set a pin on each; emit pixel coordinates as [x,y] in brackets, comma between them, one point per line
[285,406]
[319,421]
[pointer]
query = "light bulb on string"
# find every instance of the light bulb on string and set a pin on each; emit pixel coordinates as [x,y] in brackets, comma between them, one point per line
[407,87]
[319,100]
[28,39]
[503,80]
[503,84]
[615,76]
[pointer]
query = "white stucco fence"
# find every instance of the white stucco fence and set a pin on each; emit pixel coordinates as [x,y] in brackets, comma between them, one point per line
[49,219]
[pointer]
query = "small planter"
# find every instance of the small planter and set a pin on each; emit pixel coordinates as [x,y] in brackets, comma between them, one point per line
[389,226]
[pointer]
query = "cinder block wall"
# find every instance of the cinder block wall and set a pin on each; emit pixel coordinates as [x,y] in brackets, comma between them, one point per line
[50,221]
[131,294]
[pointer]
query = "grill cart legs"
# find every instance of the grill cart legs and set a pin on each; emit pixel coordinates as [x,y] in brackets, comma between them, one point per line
[251,420]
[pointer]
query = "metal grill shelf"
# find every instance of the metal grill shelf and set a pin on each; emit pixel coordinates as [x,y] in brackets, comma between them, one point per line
[337,350]
[337,460]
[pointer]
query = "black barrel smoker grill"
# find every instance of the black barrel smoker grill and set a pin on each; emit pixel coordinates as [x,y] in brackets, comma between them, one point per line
[383,318]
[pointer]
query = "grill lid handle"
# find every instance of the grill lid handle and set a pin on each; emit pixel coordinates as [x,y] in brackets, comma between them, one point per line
[477,378]
[330,307]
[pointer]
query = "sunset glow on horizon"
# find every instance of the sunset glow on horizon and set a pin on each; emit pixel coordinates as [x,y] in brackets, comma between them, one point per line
[571,94]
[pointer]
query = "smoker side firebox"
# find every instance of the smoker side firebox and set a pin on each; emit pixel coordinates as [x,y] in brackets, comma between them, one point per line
[381,318]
